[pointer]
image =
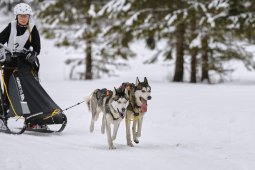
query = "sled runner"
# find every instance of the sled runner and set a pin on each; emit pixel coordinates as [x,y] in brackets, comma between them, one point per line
[29,104]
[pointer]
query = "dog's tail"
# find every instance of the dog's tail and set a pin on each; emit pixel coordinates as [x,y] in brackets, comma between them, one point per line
[88,101]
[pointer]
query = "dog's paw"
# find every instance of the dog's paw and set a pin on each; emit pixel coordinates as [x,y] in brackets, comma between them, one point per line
[130,144]
[91,129]
[112,147]
[136,141]
[138,135]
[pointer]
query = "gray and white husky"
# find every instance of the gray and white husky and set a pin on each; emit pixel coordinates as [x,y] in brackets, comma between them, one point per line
[139,93]
[114,105]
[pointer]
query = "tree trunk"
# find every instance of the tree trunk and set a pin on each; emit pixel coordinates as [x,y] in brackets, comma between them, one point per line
[205,61]
[88,71]
[193,73]
[178,75]
[88,68]
[193,51]
[9,6]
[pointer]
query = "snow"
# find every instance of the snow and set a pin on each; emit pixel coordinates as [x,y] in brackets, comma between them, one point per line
[219,4]
[196,42]
[132,19]
[187,126]
[115,5]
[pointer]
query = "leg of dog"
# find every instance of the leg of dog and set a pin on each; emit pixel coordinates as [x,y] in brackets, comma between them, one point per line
[95,110]
[91,129]
[134,130]
[115,130]
[92,121]
[95,114]
[129,142]
[103,125]
[92,114]
[139,131]
[108,132]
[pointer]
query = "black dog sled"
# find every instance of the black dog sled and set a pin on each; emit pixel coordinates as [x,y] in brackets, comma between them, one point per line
[30,106]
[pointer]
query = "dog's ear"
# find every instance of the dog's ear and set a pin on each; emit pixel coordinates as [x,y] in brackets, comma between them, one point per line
[145,80]
[114,91]
[137,81]
[126,92]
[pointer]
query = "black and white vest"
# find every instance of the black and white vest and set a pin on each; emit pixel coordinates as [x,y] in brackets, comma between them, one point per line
[17,43]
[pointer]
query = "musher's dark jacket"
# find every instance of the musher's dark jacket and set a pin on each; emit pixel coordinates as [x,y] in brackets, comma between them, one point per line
[35,43]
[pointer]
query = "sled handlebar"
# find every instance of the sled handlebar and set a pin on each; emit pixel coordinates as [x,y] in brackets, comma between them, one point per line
[5,48]
[14,54]
[18,54]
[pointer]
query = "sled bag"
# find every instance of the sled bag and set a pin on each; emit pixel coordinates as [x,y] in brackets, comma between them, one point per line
[30,100]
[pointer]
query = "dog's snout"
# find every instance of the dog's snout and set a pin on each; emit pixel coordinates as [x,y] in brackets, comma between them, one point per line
[149,98]
[123,110]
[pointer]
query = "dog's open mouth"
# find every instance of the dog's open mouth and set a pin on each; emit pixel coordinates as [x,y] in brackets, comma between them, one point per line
[121,114]
[144,104]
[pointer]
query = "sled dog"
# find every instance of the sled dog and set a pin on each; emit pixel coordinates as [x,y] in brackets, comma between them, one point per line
[114,105]
[138,93]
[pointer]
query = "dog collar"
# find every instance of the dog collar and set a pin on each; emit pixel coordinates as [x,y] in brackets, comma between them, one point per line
[113,115]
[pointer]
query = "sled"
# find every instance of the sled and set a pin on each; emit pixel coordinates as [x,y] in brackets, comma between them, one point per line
[29,103]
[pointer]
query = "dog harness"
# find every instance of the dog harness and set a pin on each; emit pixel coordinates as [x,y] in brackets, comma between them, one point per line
[101,93]
[130,86]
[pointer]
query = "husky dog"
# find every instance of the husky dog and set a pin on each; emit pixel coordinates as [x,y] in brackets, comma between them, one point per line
[139,93]
[114,106]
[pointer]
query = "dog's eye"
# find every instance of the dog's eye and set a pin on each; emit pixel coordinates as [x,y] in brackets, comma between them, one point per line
[143,91]
[119,102]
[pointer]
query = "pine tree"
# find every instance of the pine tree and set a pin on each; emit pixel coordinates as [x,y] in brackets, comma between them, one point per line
[242,18]
[206,32]
[148,20]
[74,24]
[7,5]
[180,42]
[216,38]
[193,50]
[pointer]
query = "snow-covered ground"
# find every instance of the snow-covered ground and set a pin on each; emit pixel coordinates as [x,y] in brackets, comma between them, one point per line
[187,126]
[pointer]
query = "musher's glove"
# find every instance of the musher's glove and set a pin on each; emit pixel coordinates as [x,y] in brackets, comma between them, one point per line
[31,57]
[8,56]
[5,55]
